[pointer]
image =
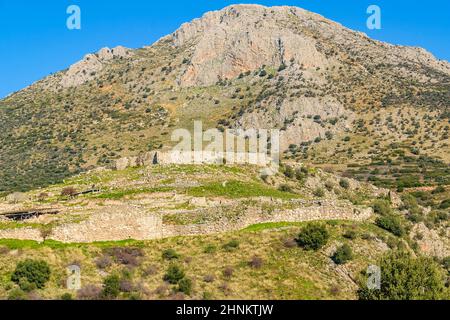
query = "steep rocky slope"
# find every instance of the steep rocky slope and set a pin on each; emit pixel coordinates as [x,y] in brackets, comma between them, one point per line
[340,98]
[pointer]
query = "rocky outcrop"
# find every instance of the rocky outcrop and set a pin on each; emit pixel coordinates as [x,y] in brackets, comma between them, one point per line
[87,69]
[225,47]
[430,242]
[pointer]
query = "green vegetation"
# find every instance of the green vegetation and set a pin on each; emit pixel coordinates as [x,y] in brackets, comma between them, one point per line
[407,278]
[31,274]
[238,189]
[343,254]
[174,274]
[313,237]
[391,223]
[111,287]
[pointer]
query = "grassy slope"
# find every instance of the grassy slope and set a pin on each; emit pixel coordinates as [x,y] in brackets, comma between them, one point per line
[287,273]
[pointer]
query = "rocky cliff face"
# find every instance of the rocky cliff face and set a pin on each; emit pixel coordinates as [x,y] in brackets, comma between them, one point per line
[242,38]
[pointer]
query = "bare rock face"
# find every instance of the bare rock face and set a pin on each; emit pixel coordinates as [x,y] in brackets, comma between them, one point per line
[224,46]
[86,69]
[241,38]
[430,242]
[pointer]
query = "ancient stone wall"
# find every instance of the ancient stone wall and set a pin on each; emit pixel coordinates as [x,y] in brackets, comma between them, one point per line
[122,224]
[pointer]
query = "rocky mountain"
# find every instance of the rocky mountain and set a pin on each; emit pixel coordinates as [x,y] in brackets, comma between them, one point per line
[342,100]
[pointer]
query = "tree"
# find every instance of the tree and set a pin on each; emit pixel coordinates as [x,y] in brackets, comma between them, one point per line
[313,237]
[174,274]
[31,273]
[111,287]
[343,254]
[406,278]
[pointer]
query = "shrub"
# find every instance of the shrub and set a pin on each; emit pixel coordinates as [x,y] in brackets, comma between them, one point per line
[301,174]
[31,272]
[343,254]
[445,204]
[66,296]
[209,278]
[391,223]
[382,207]
[319,192]
[407,278]
[185,286]
[174,274]
[89,292]
[351,234]
[170,254]
[150,270]
[289,172]
[313,237]
[69,192]
[329,185]
[126,285]
[256,262]
[228,272]
[103,262]
[17,294]
[210,249]
[344,183]
[232,245]
[438,190]
[111,287]
[126,256]
[285,188]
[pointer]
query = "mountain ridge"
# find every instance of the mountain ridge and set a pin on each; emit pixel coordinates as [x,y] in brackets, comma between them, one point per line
[242,66]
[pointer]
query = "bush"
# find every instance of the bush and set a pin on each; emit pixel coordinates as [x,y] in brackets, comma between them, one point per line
[343,254]
[170,254]
[289,172]
[17,294]
[285,188]
[313,237]
[392,224]
[210,249]
[174,274]
[228,272]
[407,278]
[66,296]
[445,204]
[438,190]
[209,278]
[31,272]
[351,234]
[185,286]
[256,262]
[301,174]
[89,292]
[126,256]
[382,207]
[103,262]
[69,192]
[111,287]
[319,192]
[232,245]
[344,183]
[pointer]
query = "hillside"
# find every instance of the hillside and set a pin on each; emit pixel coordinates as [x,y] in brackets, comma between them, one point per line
[378,109]
[363,180]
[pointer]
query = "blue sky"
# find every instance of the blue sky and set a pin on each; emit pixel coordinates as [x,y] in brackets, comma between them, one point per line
[34,39]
